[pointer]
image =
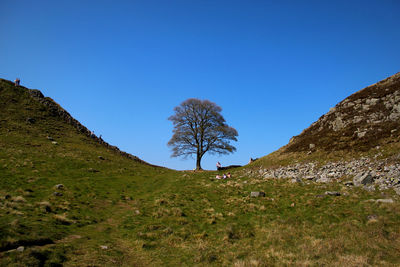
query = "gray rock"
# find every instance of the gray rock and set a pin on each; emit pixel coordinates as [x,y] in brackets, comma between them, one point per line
[310,178]
[361,134]
[59,186]
[21,249]
[297,180]
[257,194]
[348,183]
[338,124]
[57,194]
[311,146]
[323,180]
[370,188]
[54,143]
[397,190]
[385,200]
[332,193]
[363,179]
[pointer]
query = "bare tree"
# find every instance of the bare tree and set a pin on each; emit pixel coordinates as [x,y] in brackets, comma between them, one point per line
[199,128]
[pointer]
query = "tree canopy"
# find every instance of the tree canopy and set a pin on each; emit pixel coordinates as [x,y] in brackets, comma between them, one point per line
[199,128]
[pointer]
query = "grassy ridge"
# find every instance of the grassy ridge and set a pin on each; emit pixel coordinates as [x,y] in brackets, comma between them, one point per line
[117,212]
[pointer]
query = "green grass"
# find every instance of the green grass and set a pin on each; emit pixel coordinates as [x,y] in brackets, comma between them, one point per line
[149,216]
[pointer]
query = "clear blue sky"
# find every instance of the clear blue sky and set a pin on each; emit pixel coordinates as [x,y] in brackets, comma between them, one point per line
[120,67]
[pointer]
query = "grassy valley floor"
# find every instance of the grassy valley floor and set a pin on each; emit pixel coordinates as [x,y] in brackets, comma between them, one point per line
[168,218]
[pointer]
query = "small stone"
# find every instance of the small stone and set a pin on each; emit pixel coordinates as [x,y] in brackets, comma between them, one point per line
[361,134]
[20,248]
[257,194]
[332,193]
[370,188]
[296,180]
[348,183]
[397,190]
[59,186]
[323,180]
[385,200]
[292,205]
[311,146]
[309,178]
[104,247]
[92,170]
[54,143]
[57,194]
[50,138]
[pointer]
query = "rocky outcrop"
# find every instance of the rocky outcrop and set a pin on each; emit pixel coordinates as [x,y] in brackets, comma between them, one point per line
[359,122]
[362,172]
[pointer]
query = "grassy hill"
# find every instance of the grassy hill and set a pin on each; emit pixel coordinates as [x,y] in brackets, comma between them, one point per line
[114,210]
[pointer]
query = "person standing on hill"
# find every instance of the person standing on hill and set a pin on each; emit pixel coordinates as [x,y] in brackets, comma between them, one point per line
[218,165]
[17,81]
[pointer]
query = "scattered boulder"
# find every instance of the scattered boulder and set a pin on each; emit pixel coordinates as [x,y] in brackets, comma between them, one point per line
[104,247]
[57,194]
[20,249]
[363,179]
[384,200]
[54,143]
[257,194]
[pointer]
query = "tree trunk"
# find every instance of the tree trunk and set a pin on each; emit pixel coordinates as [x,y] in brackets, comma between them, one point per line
[198,160]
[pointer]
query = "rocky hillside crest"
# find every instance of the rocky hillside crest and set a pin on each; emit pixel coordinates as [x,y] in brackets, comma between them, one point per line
[364,120]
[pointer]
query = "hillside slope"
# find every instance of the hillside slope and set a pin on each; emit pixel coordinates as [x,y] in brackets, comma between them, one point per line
[55,178]
[362,121]
[67,199]
[365,124]
[357,140]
